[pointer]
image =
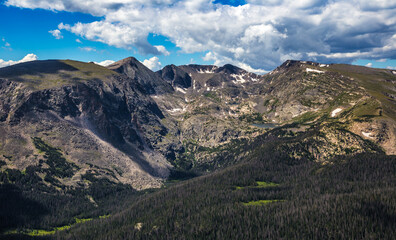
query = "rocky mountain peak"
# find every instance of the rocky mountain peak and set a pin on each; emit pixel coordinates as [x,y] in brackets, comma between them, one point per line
[230,69]
[131,61]
[175,76]
[151,82]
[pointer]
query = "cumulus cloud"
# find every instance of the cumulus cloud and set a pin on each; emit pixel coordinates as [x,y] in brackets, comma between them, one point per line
[114,34]
[259,34]
[369,64]
[105,62]
[153,63]
[29,57]
[56,33]
[162,50]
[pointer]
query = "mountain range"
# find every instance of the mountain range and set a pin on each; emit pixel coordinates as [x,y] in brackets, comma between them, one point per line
[83,131]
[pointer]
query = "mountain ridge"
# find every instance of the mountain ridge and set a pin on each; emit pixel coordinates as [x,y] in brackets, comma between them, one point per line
[181,117]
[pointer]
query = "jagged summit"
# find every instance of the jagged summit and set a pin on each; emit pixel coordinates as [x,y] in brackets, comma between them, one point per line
[203,78]
[176,76]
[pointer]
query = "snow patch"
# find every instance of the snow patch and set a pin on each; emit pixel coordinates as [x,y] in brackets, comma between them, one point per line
[367,134]
[208,71]
[323,65]
[314,70]
[238,78]
[181,90]
[232,114]
[176,110]
[334,112]
[394,72]
[299,113]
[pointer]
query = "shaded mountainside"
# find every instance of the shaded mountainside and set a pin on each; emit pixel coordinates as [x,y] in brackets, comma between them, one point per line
[99,119]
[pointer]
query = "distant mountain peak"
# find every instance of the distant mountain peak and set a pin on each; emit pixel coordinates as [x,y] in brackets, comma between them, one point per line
[230,69]
[129,60]
[134,69]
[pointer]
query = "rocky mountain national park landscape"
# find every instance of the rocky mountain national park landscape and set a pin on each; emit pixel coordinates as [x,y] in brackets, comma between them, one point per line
[216,148]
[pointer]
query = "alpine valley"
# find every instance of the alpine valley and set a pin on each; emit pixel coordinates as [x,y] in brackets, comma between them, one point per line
[306,151]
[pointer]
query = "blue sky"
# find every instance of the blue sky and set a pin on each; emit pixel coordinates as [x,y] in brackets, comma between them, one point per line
[27,31]
[252,34]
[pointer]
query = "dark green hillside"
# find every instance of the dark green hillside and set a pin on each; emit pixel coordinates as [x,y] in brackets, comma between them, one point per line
[352,198]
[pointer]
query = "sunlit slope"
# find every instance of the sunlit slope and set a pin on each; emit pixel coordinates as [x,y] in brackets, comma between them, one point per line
[48,74]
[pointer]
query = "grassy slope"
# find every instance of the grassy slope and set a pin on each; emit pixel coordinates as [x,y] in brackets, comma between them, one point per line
[46,74]
[377,82]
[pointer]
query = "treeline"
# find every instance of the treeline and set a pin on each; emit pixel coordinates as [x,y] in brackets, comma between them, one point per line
[27,203]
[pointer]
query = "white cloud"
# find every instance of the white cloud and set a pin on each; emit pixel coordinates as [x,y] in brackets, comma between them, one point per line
[220,61]
[391,67]
[78,40]
[153,63]
[29,57]
[7,45]
[118,35]
[382,60]
[369,64]
[162,50]
[87,49]
[105,62]
[56,33]
[260,34]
